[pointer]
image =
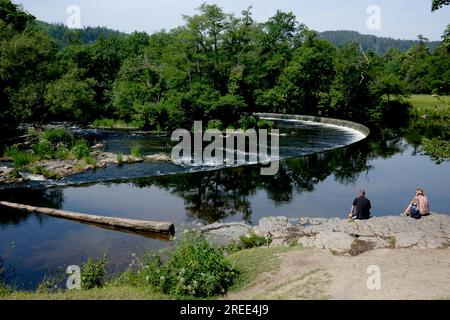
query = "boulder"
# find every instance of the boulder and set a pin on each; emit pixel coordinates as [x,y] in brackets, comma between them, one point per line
[344,237]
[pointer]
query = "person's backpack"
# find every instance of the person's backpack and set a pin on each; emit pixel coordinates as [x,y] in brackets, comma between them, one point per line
[415,212]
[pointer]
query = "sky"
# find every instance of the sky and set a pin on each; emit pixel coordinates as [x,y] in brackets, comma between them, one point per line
[402,19]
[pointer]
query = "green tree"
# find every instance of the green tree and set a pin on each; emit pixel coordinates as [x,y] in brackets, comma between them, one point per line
[437,4]
[71,97]
[352,97]
[308,76]
[26,64]
[13,19]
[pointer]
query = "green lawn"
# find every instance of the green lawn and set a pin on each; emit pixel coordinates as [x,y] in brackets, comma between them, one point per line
[109,292]
[253,262]
[431,106]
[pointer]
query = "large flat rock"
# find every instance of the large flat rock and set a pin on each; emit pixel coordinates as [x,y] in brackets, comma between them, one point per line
[342,236]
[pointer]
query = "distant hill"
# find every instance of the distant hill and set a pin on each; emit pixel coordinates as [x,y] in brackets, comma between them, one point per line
[379,44]
[64,36]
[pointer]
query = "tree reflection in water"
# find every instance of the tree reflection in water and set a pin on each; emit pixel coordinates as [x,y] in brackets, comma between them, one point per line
[215,195]
[51,198]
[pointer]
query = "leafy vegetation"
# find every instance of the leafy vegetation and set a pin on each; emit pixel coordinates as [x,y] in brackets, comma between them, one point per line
[437,4]
[112,124]
[380,45]
[217,67]
[56,144]
[427,106]
[131,285]
[195,268]
[93,273]
[249,241]
[436,137]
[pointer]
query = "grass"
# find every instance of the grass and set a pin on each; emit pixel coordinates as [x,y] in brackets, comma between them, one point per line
[52,144]
[434,111]
[136,152]
[112,124]
[120,159]
[251,263]
[109,292]
[437,107]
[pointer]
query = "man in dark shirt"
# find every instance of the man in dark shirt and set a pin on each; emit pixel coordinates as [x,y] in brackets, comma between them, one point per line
[360,207]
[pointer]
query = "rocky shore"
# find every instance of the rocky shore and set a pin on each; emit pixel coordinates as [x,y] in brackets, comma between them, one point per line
[58,169]
[340,236]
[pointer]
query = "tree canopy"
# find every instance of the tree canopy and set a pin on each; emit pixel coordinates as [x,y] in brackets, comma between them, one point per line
[218,67]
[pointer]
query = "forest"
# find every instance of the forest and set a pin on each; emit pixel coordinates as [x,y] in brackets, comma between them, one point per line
[218,67]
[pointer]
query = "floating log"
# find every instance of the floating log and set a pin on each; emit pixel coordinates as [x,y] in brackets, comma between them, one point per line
[129,225]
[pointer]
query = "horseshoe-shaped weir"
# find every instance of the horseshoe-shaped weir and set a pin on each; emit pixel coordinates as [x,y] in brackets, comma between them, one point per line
[300,135]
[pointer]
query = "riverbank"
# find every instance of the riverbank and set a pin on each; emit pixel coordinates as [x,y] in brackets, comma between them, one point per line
[293,272]
[340,236]
[316,258]
[58,169]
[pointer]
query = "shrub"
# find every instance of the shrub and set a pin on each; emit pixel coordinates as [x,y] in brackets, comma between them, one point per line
[62,152]
[249,241]
[264,124]
[56,136]
[120,159]
[247,122]
[20,158]
[93,273]
[215,124]
[90,161]
[136,152]
[438,149]
[43,171]
[111,123]
[195,268]
[43,149]
[81,150]
[4,290]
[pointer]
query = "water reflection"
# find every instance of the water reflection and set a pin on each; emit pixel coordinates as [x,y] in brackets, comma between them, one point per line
[216,195]
[389,164]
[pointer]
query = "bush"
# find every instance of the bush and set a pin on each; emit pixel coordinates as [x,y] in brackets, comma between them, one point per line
[111,123]
[215,124]
[56,136]
[93,273]
[249,241]
[81,150]
[4,290]
[247,122]
[43,149]
[264,124]
[120,159]
[20,158]
[61,152]
[438,149]
[90,161]
[43,171]
[136,152]
[195,268]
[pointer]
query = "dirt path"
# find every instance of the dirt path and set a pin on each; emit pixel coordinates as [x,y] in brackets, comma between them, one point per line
[317,274]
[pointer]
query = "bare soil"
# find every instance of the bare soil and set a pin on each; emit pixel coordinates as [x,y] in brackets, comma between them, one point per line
[318,274]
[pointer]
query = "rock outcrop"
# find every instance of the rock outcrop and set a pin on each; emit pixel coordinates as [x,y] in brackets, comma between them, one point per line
[342,236]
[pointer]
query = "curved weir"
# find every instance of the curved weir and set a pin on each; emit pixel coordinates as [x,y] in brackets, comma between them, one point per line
[319,185]
[299,136]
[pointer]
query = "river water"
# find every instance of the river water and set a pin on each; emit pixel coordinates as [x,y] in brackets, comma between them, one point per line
[319,178]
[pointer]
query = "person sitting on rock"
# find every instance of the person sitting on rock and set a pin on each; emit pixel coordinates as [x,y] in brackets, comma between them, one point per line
[418,206]
[360,207]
